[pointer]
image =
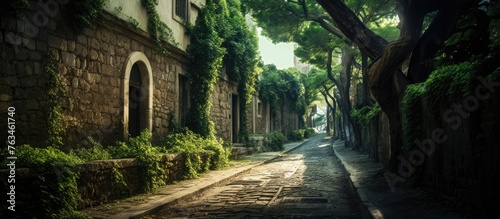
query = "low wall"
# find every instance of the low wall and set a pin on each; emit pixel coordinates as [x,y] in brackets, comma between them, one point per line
[100,181]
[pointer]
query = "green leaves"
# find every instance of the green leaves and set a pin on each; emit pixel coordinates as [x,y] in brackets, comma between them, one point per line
[192,146]
[365,114]
[207,53]
[220,35]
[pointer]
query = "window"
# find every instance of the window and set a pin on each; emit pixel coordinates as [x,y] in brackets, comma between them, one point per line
[181,9]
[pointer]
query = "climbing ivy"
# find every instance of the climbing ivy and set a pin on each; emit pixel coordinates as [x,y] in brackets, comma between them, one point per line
[191,146]
[140,147]
[160,32]
[55,92]
[55,178]
[276,86]
[365,114]
[207,53]
[82,14]
[241,60]
[443,86]
[219,36]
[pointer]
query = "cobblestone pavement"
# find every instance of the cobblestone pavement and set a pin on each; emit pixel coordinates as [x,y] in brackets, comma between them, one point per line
[305,183]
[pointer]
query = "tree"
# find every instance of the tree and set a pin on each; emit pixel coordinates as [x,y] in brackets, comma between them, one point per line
[386,79]
[305,22]
[280,86]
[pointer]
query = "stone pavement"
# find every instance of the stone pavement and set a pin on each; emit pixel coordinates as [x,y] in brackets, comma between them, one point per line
[308,182]
[174,193]
[404,202]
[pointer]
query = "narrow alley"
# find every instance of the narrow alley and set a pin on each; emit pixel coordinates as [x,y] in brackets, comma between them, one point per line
[308,182]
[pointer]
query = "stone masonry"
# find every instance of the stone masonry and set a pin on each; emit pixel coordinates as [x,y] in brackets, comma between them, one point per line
[91,66]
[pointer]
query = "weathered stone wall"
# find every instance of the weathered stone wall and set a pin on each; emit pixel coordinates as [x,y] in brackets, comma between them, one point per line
[221,107]
[257,123]
[460,152]
[101,182]
[286,119]
[91,66]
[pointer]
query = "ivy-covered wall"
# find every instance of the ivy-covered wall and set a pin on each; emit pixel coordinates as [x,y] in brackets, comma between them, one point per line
[90,67]
[451,131]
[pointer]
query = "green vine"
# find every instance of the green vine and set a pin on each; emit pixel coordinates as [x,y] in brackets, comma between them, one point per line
[83,13]
[55,178]
[140,147]
[443,86]
[365,114]
[192,146]
[278,86]
[55,116]
[160,31]
[412,118]
[241,45]
[207,53]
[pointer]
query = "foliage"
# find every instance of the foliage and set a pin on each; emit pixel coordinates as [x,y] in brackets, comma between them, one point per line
[241,59]
[411,114]
[296,135]
[160,32]
[443,86]
[140,147]
[221,35]
[309,132]
[191,146]
[173,125]
[55,92]
[91,150]
[276,86]
[83,13]
[57,194]
[365,114]
[275,141]
[207,53]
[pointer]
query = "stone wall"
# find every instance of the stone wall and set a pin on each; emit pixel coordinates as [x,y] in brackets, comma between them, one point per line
[99,181]
[91,66]
[375,139]
[461,158]
[286,119]
[221,107]
[257,122]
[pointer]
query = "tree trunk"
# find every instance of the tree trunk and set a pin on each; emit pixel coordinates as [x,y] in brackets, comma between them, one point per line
[385,79]
[351,132]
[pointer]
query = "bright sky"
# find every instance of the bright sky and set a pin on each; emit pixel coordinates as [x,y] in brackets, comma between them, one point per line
[280,54]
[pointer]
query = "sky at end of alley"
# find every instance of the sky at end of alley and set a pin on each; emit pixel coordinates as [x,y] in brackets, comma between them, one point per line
[280,54]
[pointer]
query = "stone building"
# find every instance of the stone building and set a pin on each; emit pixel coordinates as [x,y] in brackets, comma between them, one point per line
[115,81]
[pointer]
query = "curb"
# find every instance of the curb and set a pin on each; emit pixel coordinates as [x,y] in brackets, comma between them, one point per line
[207,187]
[368,210]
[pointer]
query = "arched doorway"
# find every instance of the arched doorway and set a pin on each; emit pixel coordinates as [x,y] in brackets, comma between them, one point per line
[137,95]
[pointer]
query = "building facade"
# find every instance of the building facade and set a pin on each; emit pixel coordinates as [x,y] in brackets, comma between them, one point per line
[114,80]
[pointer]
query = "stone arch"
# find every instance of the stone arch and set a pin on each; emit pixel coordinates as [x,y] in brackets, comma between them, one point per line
[145,108]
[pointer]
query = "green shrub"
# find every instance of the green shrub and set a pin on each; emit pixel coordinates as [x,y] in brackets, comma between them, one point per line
[296,135]
[90,151]
[365,114]
[275,141]
[309,132]
[56,180]
[140,147]
[191,146]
